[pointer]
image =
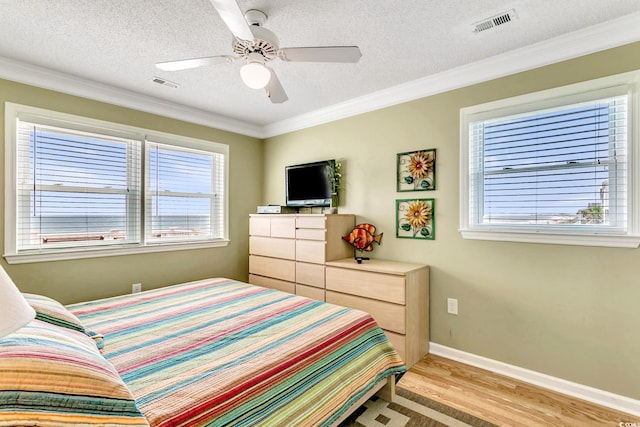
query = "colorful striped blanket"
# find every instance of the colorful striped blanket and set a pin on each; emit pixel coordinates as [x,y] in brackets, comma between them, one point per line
[221,352]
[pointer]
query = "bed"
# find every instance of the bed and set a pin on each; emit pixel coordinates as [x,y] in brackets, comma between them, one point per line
[211,352]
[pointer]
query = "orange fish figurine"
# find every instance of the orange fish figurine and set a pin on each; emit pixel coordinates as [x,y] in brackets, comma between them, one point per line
[362,237]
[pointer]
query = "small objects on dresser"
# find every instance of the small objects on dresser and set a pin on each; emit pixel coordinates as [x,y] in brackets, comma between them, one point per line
[335,175]
[362,238]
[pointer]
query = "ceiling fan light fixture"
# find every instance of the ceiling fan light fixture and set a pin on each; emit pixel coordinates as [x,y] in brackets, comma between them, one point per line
[257,45]
[254,74]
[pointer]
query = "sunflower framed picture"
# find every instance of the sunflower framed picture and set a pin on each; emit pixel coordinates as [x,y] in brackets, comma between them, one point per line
[417,170]
[415,219]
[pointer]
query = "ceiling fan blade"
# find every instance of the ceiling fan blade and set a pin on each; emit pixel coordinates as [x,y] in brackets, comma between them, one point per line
[234,18]
[184,64]
[321,54]
[274,89]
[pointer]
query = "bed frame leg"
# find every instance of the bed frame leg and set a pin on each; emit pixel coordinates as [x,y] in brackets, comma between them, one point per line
[388,391]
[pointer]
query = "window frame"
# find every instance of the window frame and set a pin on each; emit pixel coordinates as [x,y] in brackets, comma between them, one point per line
[148,193]
[556,97]
[14,111]
[132,146]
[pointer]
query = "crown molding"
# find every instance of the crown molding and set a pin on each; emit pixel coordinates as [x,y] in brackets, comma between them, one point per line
[589,40]
[592,39]
[45,78]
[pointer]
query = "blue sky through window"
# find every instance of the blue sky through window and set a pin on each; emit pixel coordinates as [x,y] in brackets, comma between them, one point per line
[83,184]
[545,164]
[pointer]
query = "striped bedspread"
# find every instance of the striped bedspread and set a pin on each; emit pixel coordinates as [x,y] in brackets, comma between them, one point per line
[221,352]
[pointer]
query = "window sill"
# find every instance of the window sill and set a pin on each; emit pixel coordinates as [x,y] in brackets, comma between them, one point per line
[72,253]
[609,240]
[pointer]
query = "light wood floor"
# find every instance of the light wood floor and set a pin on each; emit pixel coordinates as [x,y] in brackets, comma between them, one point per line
[502,400]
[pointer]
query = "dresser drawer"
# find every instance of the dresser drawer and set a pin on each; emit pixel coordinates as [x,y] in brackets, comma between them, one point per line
[384,287]
[310,221]
[389,316]
[311,233]
[310,274]
[272,247]
[284,226]
[310,292]
[271,283]
[273,267]
[310,251]
[260,226]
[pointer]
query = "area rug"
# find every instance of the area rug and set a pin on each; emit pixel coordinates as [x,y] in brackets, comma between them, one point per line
[410,410]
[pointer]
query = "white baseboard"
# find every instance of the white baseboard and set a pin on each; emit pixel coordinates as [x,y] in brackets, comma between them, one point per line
[590,394]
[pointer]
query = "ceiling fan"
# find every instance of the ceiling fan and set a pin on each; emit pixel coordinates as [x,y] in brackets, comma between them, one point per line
[256,46]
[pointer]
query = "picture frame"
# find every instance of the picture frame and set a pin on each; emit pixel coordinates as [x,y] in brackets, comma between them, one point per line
[416,170]
[415,219]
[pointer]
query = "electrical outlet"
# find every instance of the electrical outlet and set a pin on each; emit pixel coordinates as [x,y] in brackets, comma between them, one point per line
[136,287]
[452,306]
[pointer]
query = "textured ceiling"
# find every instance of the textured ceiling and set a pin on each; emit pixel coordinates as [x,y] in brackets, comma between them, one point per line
[117,43]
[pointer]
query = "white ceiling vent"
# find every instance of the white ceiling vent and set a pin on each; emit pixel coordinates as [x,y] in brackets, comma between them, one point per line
[494,21]
[165,82]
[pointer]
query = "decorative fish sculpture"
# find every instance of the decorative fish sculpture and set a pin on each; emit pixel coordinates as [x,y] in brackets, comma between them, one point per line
[362,237]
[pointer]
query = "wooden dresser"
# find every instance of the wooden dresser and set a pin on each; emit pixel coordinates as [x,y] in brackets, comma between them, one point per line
[289,252]
[396,294]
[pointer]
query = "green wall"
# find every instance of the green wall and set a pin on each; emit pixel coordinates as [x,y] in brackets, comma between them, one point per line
[568,311]
[81,280]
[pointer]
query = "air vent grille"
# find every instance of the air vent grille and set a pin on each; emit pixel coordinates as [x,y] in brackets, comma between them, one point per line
[165,82]
[494,21]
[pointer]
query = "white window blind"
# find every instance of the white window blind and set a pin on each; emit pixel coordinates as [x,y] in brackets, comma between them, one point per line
[79,188]
[561,168]
[185,194]
[75,188]
[556,166]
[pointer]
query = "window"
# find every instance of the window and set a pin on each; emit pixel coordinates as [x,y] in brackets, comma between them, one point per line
[183,202]
[75,188]
[552,167]
[80,188]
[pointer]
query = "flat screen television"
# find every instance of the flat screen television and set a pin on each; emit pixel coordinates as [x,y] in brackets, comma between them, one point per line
[308,184]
